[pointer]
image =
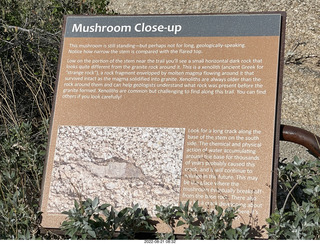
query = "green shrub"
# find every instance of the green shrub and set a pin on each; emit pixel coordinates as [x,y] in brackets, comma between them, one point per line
[298,211]
[21,168]
[201,224]
[89,220]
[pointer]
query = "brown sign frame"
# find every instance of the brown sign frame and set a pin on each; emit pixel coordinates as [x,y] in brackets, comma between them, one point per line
[53,221]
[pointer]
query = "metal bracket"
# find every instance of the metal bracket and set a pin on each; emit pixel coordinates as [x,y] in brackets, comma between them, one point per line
[302,137]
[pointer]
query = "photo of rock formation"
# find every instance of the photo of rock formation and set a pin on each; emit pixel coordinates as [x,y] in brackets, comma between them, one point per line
[120,165]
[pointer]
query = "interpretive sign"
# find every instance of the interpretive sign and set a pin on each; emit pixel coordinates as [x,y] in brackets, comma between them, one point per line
[158,110]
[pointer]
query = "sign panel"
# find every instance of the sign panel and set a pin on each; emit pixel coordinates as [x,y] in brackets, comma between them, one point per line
[158,110]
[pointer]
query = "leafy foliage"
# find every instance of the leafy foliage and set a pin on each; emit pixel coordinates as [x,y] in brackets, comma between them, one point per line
[168,214]
[89,220]
[298,202]
[200,224]
[21,167]
[132,220]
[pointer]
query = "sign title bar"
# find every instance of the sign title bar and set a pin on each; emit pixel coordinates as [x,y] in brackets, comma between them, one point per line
[174,26]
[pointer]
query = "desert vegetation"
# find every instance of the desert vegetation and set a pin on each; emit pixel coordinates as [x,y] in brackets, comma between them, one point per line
[30,35]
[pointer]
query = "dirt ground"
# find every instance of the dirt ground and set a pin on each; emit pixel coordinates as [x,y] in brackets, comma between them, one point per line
[301,83]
